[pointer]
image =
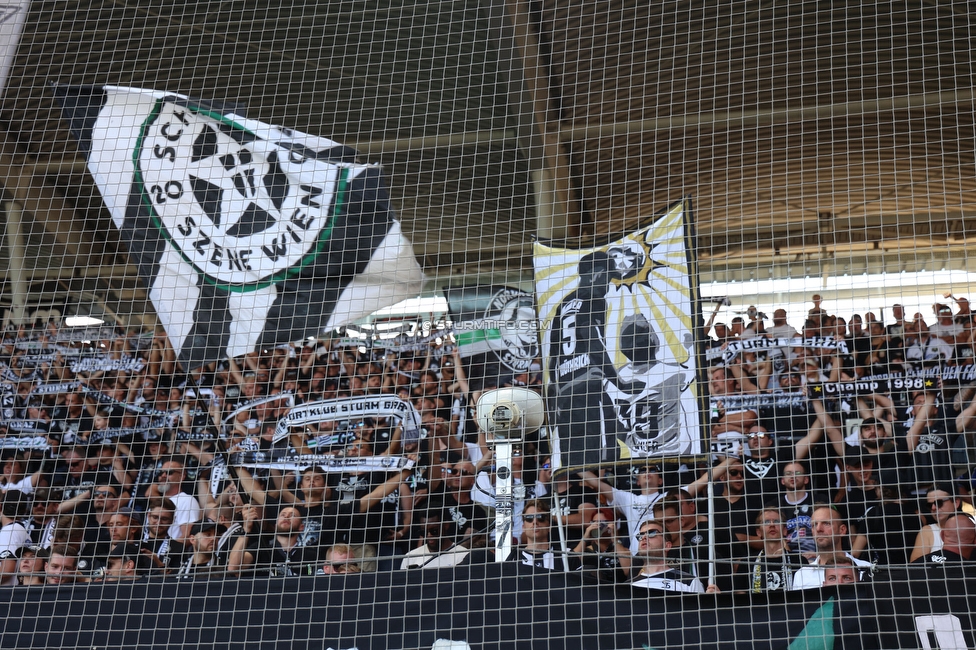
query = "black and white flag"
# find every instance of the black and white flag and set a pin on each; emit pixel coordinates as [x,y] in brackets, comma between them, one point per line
[620,352]
[247,235]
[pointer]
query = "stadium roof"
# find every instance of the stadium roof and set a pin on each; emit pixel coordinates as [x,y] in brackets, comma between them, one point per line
[813,137]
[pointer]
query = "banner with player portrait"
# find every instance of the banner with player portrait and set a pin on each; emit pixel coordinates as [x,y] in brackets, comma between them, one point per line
[618,327]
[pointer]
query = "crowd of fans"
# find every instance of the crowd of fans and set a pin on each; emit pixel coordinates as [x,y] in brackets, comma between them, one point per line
[836,449]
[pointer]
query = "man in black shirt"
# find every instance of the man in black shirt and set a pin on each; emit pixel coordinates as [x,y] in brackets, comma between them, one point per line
[279,552]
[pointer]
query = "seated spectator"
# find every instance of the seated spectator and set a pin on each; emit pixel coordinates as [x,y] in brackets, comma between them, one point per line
[841,572]
[204,558]
[535,548]
[830,535]
[61,565]
[437,543]
[165,551]
[600,550]
[958,542]
[279,552]
[943,503]
[773,567]
[342,558]
[656,573]
[30,566]
[126,562]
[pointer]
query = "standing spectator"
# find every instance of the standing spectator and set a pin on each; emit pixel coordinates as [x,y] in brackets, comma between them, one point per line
[14,513]
[44,515]
[781,329]
[342,558]
[796,503]
[15,477]
[945,327]
[760,465]
[773,567]
[634,507]
[468,516]
[830,535]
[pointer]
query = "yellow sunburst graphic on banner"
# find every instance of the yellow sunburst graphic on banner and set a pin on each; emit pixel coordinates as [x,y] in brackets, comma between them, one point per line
[618,327]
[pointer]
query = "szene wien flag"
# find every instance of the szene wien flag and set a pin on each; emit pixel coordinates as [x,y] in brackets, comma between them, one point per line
[620,354]
[247,235]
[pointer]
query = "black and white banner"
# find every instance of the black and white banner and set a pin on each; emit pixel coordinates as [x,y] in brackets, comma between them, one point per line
[289,460]
[763,344]
[246,234]
[105,363]
[353,408]
[286,396]
[619,331]
[496,330]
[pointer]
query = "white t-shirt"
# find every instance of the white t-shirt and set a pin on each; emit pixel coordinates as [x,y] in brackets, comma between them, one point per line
[12,537]
[187,512]
[25,485]
[422,556]
[671,580]
[812,575]
[636,508]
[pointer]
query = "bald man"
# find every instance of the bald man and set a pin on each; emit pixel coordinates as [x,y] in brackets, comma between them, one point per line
[958,542]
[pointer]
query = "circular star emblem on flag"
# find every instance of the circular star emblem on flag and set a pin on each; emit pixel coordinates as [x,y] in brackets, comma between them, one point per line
[241,210]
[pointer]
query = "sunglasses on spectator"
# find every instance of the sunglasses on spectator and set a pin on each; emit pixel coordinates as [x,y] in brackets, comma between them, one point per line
[735,472]
[938,503]
[758,435]
[104,494]
[648,534]
[546,466]
[539,517]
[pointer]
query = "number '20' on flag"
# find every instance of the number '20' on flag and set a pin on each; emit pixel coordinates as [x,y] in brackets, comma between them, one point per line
[621,362]
[246,234]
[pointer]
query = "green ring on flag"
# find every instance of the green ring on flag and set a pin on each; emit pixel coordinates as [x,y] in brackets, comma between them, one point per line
[323,237]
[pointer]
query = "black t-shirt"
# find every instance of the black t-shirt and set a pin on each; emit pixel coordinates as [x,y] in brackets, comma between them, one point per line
[761,478]
[796,517]
[891,529]
[765,573]
[270,554]
[465,515]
